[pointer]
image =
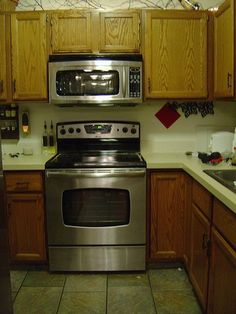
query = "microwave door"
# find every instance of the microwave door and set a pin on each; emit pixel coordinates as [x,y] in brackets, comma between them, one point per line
[93,84]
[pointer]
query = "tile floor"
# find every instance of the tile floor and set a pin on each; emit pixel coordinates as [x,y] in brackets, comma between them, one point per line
[161,291]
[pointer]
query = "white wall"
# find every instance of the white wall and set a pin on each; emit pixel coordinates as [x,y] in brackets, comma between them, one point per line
[190,133]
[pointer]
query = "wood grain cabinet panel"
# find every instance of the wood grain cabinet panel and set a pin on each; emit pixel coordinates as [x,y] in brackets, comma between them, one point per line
[222,292]
[30,181]
[224,58]
[119,32]
[225,221]
[26,215]
[202,198]
[29,56]
[3,54]
[71,31]
[200,237]
[167,215]
[175,54]
[5,69]
[26,227]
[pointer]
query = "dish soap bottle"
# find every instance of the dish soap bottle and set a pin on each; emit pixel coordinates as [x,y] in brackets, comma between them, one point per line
[45,139]
[52,148]
[233,162]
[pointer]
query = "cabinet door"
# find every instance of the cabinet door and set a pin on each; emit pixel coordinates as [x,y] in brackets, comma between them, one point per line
[3,73]
[224,50]
[175,54]
[119,32]
[200,236]
[29,56]
[71,31]
[167,215]
[26,227]
[222,292]
[5,68]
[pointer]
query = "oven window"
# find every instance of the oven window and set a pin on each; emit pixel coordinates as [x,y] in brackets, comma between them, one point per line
[82,83]
[96,207]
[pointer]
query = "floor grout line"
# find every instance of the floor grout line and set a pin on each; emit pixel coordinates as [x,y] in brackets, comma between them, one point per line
[151,291]
[61,294]
[107,295]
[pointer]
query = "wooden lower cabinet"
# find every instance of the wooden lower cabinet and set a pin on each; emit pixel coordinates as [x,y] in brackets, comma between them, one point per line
[187,223]
[167,201]
[222,292]
[200,236]
[26,227]
[26,216]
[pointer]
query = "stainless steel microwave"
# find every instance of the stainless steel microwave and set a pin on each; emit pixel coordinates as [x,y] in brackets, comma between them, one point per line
[95,79]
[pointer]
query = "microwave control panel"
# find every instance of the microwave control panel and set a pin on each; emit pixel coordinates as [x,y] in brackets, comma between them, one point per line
[134,81]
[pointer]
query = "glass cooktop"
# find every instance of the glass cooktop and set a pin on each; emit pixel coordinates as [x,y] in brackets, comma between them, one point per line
[96,159]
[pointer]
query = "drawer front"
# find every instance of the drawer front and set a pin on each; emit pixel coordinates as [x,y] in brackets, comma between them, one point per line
[225,221]
[26,181]
[202,198]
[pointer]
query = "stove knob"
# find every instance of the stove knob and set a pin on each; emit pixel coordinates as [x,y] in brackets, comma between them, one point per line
[133,131]
[78,130]
[71,130]
[62,131]
[125,129]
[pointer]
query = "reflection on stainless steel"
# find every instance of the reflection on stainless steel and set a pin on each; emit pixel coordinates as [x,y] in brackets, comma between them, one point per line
[225,177]
[107,258]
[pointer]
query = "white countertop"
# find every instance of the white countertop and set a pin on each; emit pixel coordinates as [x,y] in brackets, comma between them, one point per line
[23,162]
[192,165]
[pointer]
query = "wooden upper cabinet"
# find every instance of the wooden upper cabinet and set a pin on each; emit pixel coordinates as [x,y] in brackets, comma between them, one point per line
[224,50]
[29,56]
[5,58]
[167,202]
[3,53]
[119,32]
[71,31]
[175,54]
[80,31]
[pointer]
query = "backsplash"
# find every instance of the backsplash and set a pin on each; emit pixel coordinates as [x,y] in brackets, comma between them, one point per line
[190,133]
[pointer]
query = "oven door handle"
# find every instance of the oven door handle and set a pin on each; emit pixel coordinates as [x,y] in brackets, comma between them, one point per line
[97,173]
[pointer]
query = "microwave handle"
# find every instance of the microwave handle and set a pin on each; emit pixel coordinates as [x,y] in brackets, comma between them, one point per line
[124,82]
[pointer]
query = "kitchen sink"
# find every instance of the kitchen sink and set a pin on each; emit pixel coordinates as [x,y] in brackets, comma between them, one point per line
[225,177]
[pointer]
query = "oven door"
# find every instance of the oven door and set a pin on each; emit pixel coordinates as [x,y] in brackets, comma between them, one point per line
[96,206]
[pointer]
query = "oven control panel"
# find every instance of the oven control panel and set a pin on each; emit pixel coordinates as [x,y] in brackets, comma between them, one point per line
[83,130]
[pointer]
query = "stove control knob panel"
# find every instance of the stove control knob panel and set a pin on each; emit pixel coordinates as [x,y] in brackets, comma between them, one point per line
[97,130]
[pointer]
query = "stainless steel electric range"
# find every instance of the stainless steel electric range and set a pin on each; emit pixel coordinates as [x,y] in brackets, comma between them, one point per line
[96,198]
